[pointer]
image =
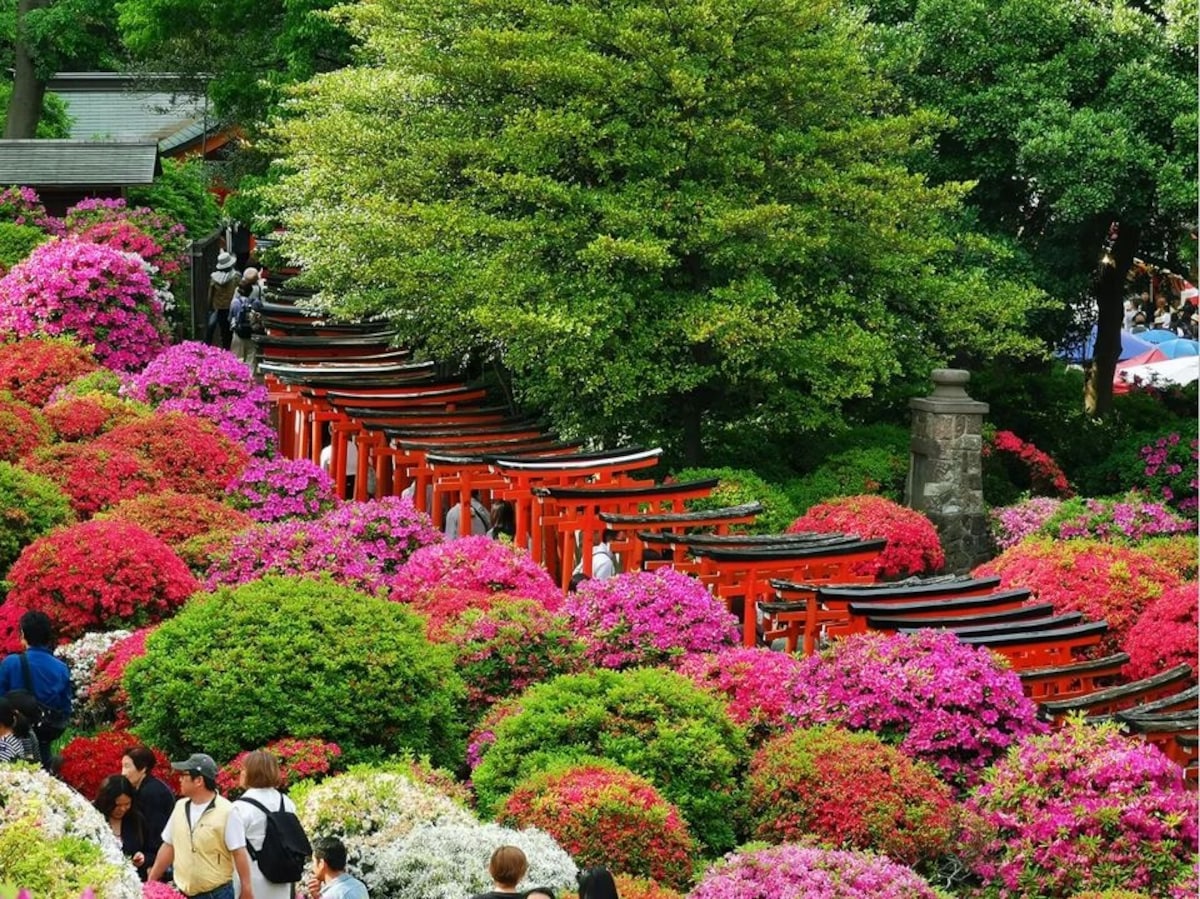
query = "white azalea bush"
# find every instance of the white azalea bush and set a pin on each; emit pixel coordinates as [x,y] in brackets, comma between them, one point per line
[450,861]
[80,656]
[371,809]
[53,843]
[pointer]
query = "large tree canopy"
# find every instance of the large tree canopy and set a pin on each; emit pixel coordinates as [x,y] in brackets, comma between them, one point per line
[663,217]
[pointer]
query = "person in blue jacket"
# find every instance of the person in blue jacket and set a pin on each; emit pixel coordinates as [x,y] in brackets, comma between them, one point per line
[38,671]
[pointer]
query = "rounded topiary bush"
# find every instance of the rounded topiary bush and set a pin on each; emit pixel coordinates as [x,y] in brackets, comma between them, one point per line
[389,529]
[175,518]
[798,872]
[276,489]
[656,723]
[1166,634]
[1104,581]
[94,477]
[507,647]
[913,546]
[1083,808]
[476,564]
[22,429]
[737,487]
[30,505]
[756,684]
[99,575]
[604,814]
[955,706]
[849,791]
[649,617]
[96,294]
[90,415]
[31,369]
[296,657]
[87,760]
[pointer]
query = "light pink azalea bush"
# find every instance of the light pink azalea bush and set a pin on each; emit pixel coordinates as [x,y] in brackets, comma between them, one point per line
[799,872]
[277,488]
[937,700]
[757,684]
[475,564]
[1084,808]
[1012,524]
[649,617]
[389,529]
[96,294]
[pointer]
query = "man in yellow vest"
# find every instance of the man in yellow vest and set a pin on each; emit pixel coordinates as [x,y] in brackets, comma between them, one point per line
[203,839]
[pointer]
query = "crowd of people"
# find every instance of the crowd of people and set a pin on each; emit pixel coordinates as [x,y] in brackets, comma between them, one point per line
[1162,311]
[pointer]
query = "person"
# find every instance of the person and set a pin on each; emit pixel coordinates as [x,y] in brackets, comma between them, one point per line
[260,778]
[38,671]
[597,883]
[155,801]
[211,839]
[540,893]
[221,286]
[17,743]
[330,880]
[503,521]
[1162,313]
[245,317]
[507,867]
[604,563]
[116,801]
[479,518]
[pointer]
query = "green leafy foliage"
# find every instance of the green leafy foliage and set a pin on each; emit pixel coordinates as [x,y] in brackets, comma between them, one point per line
[296,657]
[874,460]
[738,487]
[17,242]
[30,505]
[181,194]
[54,123]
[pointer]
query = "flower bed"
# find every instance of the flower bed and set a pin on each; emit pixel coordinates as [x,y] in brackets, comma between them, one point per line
[1166,634]
[849,791]
[603,814]
[475,563]
[389,530]
[1179,554]
[1083,808]
[159,240]
[954,706]
[299,759]
[94,477]
[913,546]
[31,369]
[756,684]
[86,761]
[276,489]
[30,505]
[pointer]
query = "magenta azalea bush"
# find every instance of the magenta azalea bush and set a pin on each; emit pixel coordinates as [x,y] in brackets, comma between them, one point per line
[1083,809]
[1131,519]
[937,700]
[302,548]
[1169,472]
[23,206]
[159,240]
[96,294]
[649,617]
[799,872]
[390,529]
[209,382]
[757,684]
[277,488]
[1012,524]
[475,564]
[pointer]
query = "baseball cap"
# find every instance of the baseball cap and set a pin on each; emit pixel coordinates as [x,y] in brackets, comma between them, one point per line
[197,763]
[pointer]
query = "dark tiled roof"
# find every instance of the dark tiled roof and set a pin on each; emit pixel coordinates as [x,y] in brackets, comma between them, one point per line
[78,162]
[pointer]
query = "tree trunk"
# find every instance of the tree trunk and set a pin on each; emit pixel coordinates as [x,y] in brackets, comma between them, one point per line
[1110,299]
[25,105]
[693,412]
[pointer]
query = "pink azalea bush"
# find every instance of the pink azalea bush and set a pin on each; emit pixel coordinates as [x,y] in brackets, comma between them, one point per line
[1130,520]
[913,546]
[303,548]
[1169,472]
[96,294]
[475,563]
[390,529]
[1083,808]
[212,383]
[1166,634]
[134,229]
[108,696]
[799,872]
[936,699]
[757,684]
[649,617]
[23,206]
[277,488]
[1012,524]
[157,889]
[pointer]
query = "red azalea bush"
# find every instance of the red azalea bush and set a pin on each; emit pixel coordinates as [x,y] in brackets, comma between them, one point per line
[1083,808]
[22,429]
[1179,553]
[99,575]
[175,518]
[604,814]
[90,415]
[1025,467]
[912,547]
[31,368]
[94,477]
[86,761]
[475,563]
[193,456]
[504,648]
[1166,634]
[299,759]
[850,791]
[442,606]
[757,685]
[108,696]
[1104,581]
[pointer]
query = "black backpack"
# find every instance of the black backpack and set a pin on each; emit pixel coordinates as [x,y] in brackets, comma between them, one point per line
[249,318]
[285,848]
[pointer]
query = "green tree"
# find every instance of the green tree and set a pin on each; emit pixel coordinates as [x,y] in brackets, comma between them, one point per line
[55,121]
[1078,122]
[181,192]
[661,217]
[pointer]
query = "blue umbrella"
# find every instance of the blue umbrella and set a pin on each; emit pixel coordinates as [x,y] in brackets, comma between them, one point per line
[1179,347]
[1081,351]
[1158,335]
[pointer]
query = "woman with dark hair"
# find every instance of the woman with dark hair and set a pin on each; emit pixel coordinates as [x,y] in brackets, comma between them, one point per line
[116,801]
[597,883]
[17,742]
[155,801]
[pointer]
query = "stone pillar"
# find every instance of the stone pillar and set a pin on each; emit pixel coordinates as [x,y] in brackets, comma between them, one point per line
[945,471]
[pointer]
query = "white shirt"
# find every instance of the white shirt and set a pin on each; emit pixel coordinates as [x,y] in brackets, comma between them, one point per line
[479,519]
[604,563]
[255,821]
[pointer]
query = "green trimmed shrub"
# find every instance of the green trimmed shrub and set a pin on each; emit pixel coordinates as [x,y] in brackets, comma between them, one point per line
[17,242]
[740,486]
[656,723]
[30,506]
[876,462]
[296,657]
